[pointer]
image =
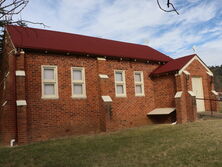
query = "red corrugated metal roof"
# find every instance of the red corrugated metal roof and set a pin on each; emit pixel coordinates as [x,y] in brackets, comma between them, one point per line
[31,38]
[173,65]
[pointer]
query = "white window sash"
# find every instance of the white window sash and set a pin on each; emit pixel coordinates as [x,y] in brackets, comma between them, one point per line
[49,81]
[139,83]
[120,83]
[78,82]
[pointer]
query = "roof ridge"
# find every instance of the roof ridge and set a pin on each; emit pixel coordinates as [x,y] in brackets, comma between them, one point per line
[173,65]
[192,55]
[87,36]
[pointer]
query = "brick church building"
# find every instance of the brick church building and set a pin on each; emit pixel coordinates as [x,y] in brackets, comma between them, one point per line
[56,84]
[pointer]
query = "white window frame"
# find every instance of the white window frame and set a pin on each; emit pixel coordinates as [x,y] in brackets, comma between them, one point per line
[139,83]
[82,82]
[55,82]
[123,83]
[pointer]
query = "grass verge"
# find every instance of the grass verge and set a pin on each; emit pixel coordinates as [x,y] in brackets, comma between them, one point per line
[193,144]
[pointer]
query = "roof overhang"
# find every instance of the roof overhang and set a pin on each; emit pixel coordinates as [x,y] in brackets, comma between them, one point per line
[200,61]
[42,40]
[161,111]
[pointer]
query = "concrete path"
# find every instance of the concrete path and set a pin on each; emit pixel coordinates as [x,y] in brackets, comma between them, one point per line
[207,115]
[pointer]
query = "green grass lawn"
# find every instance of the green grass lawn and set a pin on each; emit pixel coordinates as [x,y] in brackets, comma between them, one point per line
[194,144]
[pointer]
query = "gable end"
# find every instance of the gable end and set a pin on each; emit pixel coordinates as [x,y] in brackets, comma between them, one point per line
[200,61]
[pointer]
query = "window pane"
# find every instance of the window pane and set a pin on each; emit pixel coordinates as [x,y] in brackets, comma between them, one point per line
[119,76]
[138,77]
[49,74]
[139,89]
[120,89]
[49,89]
[77,75]
[78,89]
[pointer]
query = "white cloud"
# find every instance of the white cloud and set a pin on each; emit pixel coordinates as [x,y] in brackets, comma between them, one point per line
[134,21]
[200,13]
[211,52]
[126,17]
[174,40]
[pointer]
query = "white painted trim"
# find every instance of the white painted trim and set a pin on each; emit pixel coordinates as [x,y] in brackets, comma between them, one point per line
[178,94]
[4,103]
[195,58]
[21,103]
[215,93]
[55,82]
[186,72]
[210,74]
[20,73]
[176,75]
[22,52]
[140,83]
[161,111]
[100,58]
[107,99]
[80,82]
[191,93]
[103,76]
[123,83]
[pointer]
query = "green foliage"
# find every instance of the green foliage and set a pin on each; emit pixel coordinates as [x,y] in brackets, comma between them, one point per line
[217,70]
[192,144]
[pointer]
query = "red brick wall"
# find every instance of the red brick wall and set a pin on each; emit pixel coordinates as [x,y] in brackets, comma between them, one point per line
[186,104]
[165,90]
[8,112]
[51,118]
[67,116]
[196,69]
[129,111]
[48,118]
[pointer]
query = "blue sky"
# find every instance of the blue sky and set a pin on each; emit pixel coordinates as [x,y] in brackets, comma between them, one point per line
[139,21]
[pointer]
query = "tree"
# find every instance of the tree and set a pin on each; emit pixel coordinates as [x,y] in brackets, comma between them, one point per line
[170,7]
[217,71]
[8,10]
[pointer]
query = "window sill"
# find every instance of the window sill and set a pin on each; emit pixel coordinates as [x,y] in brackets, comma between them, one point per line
[119,96]
[78,97]
[139,95]
[50,98]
